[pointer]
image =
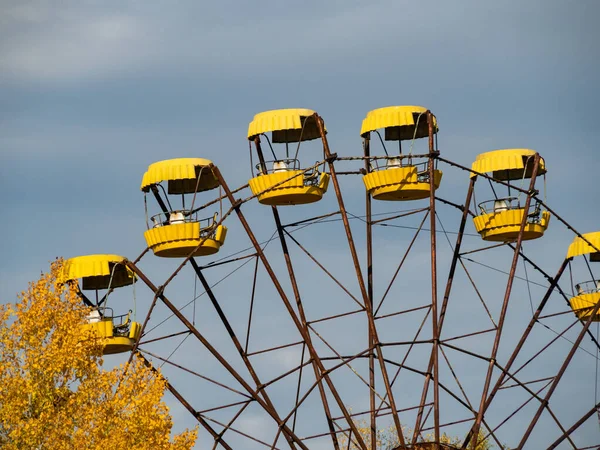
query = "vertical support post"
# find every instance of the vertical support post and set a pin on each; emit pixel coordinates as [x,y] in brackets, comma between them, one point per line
[369,231]
[444,306]
[434,309]
[361,282]
[292,275]
[313,353]
[511,277]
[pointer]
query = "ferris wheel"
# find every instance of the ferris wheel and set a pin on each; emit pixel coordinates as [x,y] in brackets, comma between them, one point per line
[340,314]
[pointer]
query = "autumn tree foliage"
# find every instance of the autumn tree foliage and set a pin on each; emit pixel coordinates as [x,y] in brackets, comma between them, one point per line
[54,393]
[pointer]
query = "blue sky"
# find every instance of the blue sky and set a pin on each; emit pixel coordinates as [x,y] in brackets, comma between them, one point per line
[93,92]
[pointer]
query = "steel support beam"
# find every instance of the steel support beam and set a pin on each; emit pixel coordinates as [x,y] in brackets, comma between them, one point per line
[369,232]
[516,351]
[235,340]
[558,376]
[511,277]
[361,282]
[445,300]
[313,354]
[255,395]
[294,283]
[217,436]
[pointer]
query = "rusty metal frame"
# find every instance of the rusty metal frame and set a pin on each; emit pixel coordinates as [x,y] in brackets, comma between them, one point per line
[509,284]
[302,316]
[369,312]
[373,350]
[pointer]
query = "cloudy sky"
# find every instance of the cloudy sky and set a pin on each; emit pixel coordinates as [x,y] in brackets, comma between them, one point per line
[92,92]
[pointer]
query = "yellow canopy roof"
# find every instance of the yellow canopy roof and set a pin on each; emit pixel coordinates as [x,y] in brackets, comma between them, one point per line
[507,164]
[399,122]
[182,175]
[96,271]
[579,247]
[285,125]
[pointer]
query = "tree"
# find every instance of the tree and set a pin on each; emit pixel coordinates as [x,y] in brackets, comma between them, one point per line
[387,439]
[54,393]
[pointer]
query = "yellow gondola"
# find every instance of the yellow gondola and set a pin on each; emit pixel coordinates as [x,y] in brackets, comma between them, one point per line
[175,233]
[588,292]
[282,181]
[500,219]
[98,273]
[400,177]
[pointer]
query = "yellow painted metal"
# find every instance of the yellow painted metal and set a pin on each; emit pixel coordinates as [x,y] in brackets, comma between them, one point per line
[583,304]
[181,174]
[579,247]
[114,343]
[96,270]
[221,234]
[294,191]
[134,330]
[399,183]
[103,328]
[503,226]
[399,122]
[285,125]
[179,240]
[508,164]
